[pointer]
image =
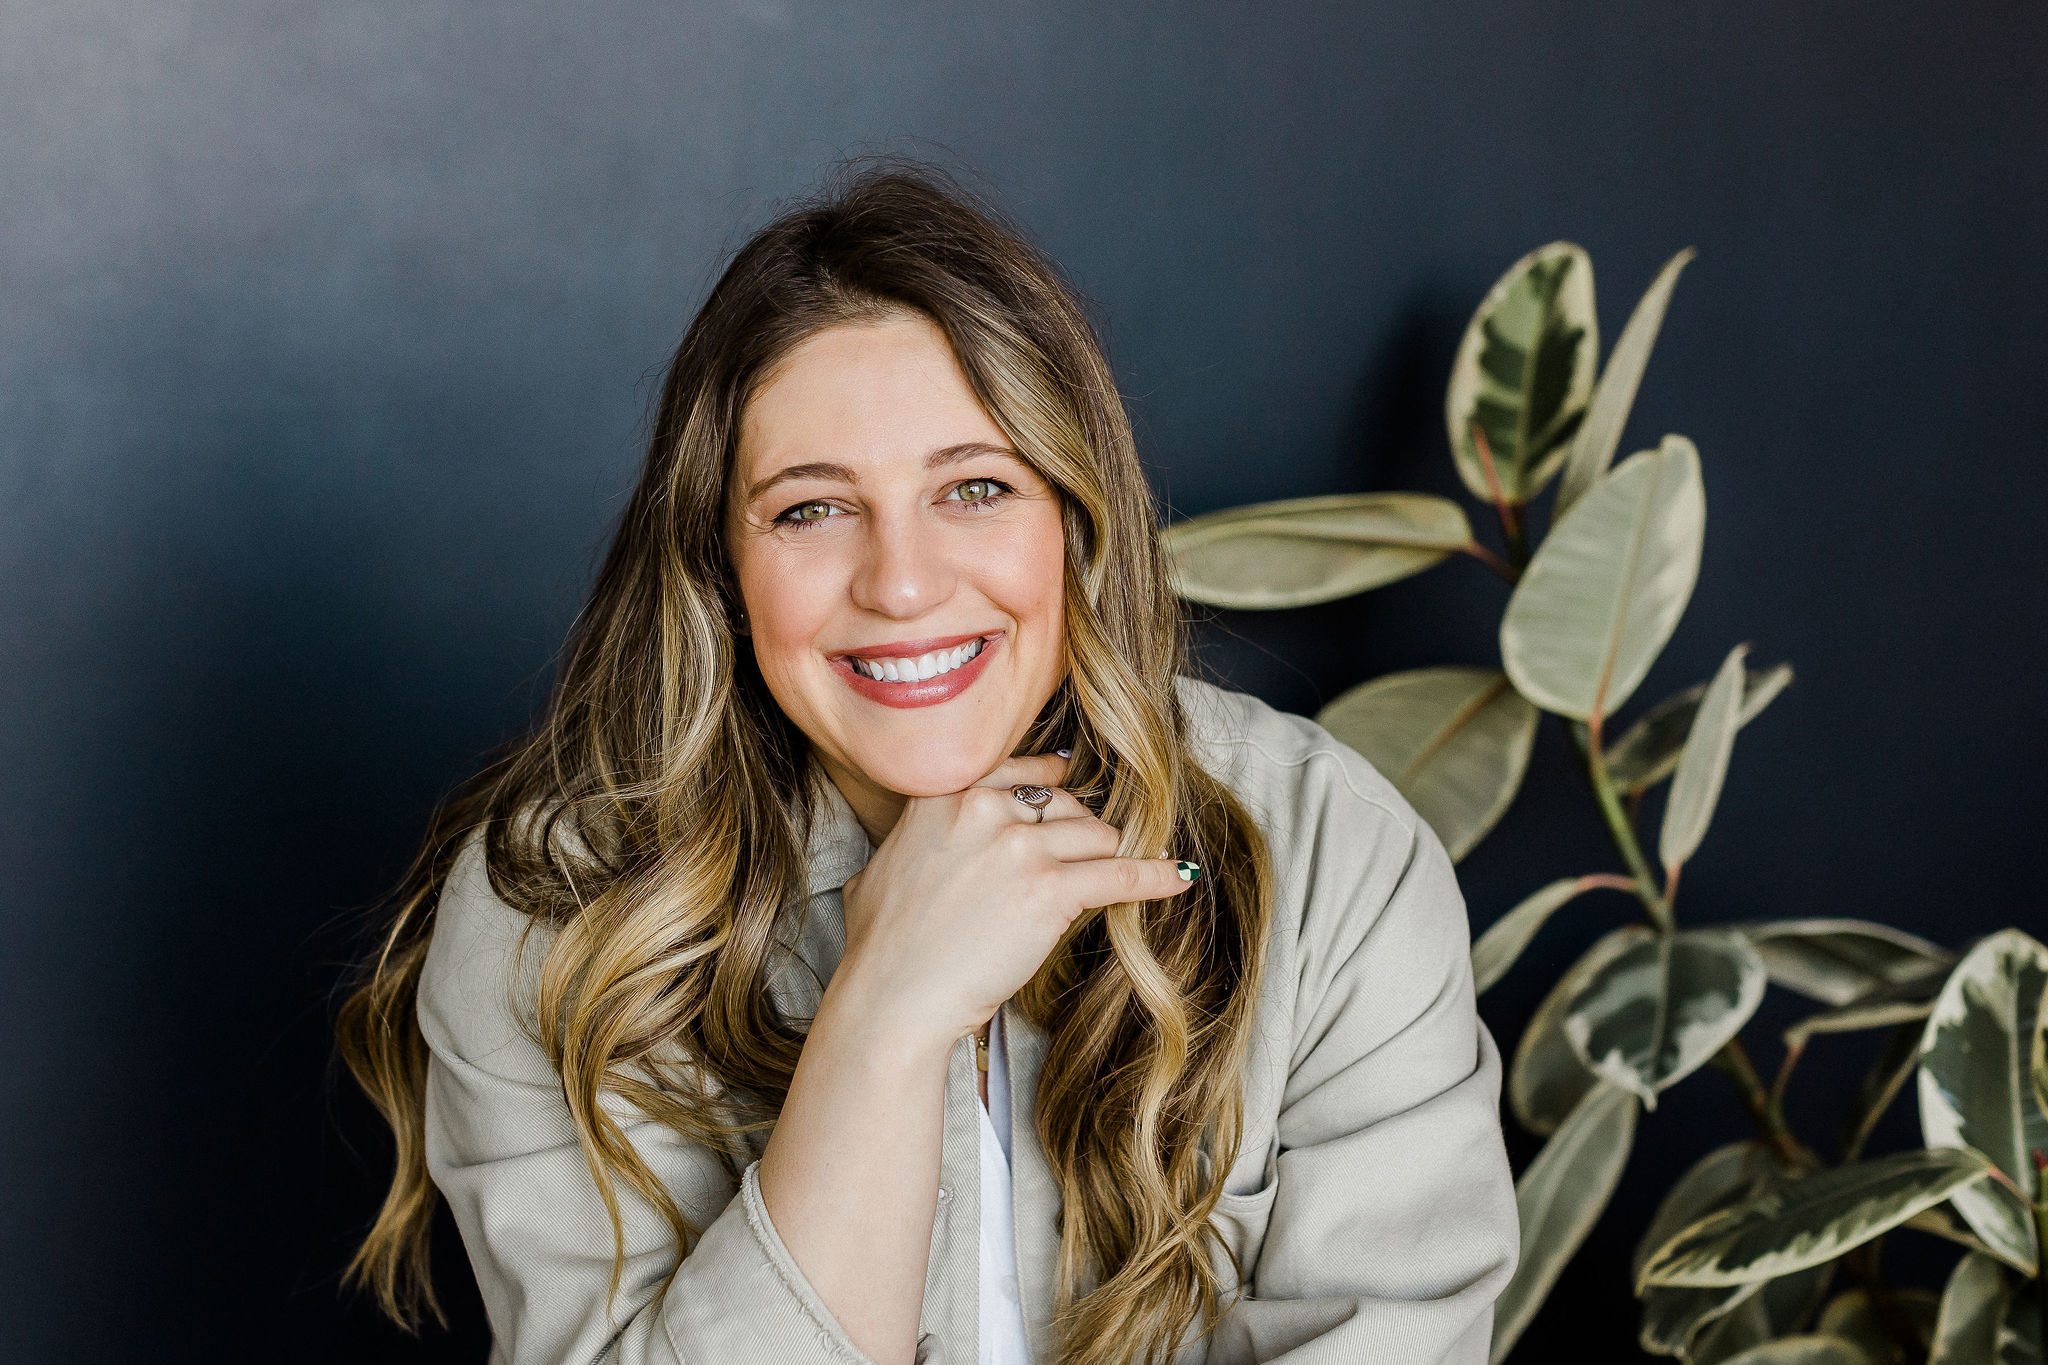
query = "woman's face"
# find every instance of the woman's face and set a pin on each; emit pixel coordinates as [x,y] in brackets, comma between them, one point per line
[902,567]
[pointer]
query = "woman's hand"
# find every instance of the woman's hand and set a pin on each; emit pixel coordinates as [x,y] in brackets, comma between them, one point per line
[967,895]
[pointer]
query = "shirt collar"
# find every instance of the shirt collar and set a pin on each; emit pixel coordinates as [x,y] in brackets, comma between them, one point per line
[836,846]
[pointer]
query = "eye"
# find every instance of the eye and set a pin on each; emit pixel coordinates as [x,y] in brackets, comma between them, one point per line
[979,492]
[805,514]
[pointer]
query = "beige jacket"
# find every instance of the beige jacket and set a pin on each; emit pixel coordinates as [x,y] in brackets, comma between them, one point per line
[1371,1204]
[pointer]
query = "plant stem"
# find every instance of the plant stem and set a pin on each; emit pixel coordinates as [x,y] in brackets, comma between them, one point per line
[1491,560]
[1511,529]
[1624,832]
[1864,1263]
[1733,1062]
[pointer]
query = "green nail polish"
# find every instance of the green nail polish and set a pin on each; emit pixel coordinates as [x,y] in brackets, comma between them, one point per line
[1189,871]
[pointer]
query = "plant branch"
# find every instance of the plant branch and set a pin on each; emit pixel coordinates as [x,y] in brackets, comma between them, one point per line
[1623,832]
[1511,529]
[1491,560]
[1733,1062]
[1784,1077]
[1864,1263]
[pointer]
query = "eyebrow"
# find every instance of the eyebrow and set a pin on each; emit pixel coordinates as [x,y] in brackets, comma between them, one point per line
[825,469]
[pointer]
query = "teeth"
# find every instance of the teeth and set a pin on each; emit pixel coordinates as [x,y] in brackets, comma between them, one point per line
[918,669]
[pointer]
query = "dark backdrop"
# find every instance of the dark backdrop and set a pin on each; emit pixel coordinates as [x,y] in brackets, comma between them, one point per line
[327,333]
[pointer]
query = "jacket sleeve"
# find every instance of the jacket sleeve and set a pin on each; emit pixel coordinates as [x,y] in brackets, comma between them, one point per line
[1392,1222]
[503,1151]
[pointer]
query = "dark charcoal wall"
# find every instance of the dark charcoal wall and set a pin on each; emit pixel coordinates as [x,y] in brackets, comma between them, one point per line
[327,332]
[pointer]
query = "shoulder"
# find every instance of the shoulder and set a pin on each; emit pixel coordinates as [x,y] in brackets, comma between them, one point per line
[1278,757]
[481,975]
[1345,844]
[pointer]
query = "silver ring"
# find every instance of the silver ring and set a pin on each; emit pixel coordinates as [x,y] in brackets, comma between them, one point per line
[1038,798]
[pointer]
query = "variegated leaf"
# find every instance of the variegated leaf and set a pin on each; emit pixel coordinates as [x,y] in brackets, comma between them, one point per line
[1672,1315]
[1851,1316]
[1548,1078]
[1897,1002]
[1503,942]
[1807,1222]
[1454,740]
[1559,1198]
[1837,961]
[1524,374]
[1301,551]
[1976,1081]
[1659,1011]
[1647,751]
[1703,767]
[1972,1309]
[1599,435]
[1809,1349]
[1606,589]
[1774,1310]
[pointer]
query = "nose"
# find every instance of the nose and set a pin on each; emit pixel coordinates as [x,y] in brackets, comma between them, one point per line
[904,569]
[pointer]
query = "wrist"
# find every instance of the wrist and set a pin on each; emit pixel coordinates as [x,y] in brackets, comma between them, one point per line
[883,1022]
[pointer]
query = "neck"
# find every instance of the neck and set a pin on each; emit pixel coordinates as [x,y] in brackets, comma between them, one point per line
[876,807]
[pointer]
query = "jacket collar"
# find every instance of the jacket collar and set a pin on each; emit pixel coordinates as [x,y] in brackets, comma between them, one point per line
[812,934]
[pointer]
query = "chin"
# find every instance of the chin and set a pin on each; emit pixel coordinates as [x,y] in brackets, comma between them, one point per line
[932,767]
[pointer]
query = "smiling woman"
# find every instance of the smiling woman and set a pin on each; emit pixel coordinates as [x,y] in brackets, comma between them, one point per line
[880,950]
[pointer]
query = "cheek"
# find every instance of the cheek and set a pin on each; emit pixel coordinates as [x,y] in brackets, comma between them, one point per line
[788,598]
[1029,579]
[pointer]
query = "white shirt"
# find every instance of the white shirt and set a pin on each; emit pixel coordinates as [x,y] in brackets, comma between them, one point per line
[1002,1312]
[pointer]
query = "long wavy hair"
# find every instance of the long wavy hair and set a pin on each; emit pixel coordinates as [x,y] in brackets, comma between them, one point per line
[685,788]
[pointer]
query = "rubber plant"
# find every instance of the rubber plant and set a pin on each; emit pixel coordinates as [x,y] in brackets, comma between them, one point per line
[1767,1251]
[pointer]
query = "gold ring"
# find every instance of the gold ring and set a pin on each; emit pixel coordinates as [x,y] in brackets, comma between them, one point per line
[1038,798]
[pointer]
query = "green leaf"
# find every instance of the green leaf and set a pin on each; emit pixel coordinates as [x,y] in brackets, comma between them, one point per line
[1600,434]
[1454,740]
[1851,1316]
[1559,1198]
[1606,589]
[1807,1222]
[1811,1349]
[1301,551]
[1972,1309]
[1524,373]
[1703,766]
[1673,1316]
[1503,942]
[1648,752]
[1839,961]
[1976,1083]
[1660,1010]
[1548,1078]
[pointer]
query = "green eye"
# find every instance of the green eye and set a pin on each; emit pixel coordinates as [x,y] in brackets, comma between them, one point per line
[979,490]
[808,511]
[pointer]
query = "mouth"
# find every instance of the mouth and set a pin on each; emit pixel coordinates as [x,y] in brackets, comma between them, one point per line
[918,672]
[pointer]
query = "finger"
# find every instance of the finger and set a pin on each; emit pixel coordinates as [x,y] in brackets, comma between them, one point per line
[1076,840]
[1002,804]
[1043,770]
[1106,881]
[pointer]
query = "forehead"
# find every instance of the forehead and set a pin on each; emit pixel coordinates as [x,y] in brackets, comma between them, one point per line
[862,393]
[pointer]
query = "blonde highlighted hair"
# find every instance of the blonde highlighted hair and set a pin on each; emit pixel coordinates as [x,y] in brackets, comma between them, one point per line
[662,753]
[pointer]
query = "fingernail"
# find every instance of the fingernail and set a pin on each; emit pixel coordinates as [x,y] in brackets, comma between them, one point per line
[1189,871]
[1064,753]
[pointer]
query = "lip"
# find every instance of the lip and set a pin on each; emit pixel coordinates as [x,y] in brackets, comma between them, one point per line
[910,649]
[933,690]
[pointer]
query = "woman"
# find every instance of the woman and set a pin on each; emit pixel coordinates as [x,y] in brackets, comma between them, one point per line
[817,930]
